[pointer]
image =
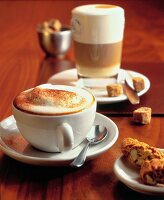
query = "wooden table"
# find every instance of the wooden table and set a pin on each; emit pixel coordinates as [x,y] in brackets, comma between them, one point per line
[23,65]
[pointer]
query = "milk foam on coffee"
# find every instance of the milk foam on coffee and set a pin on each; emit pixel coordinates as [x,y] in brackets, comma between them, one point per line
[108,18]
[53,100]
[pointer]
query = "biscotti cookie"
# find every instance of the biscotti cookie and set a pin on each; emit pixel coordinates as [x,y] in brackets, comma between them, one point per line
[152,171]
[137,152]
[142,115]
[114,90]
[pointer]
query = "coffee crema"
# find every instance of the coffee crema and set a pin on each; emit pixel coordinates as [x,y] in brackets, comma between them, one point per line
[53,101]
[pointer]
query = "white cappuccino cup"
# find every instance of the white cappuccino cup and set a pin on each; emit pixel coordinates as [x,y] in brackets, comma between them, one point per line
[54,118]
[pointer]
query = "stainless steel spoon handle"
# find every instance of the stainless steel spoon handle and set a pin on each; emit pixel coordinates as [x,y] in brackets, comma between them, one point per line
[80,159]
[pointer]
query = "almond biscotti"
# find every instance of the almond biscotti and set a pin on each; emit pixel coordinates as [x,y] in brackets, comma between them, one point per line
[137,152]
[152,171]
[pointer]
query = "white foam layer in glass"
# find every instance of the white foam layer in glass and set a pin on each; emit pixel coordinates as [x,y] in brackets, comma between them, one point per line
[94,25]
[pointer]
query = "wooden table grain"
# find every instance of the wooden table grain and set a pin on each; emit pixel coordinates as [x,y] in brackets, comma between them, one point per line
[23,65]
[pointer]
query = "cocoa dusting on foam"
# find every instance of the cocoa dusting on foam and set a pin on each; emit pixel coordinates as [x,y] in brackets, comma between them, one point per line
[50,101]
[105,6]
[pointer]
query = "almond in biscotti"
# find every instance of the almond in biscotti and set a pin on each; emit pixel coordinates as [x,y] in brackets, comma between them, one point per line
[114,90]
[138,83]
[152,171]
[142,115]
[137,152]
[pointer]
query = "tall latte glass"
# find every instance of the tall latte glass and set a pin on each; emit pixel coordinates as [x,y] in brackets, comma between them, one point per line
[98,36]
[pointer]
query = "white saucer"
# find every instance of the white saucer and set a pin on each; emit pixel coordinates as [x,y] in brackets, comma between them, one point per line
[69,77]
[129,175]
[13,145]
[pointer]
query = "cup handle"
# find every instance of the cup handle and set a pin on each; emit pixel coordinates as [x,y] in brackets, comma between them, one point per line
[65,137]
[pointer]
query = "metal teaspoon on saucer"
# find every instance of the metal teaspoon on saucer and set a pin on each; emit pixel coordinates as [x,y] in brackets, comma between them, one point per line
[96,135]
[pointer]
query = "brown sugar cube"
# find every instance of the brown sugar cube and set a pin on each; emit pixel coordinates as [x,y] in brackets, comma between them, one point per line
[55,24]
[114,90]
[138,84]
[142,115]
[43,26]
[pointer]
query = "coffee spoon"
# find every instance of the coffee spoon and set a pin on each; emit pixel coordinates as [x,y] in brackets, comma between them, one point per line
[97,134]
